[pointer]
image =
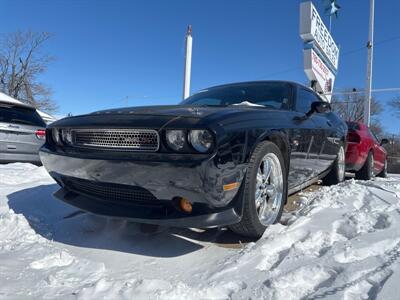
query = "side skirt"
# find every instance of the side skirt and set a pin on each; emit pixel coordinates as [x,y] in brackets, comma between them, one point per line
[307,183]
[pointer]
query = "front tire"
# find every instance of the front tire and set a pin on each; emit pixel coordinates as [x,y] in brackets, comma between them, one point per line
[367,170]
[338,170]
[265,191]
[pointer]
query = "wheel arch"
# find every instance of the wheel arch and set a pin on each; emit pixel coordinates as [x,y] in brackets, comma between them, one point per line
[281,140]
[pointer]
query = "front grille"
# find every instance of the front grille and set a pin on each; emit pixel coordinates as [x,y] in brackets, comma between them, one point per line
[117,193]
[117,139]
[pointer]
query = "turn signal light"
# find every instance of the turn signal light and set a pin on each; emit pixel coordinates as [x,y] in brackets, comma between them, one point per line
[185,205]
[231,186]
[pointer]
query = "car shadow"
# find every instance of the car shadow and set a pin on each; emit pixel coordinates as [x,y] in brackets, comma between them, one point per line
[60,222]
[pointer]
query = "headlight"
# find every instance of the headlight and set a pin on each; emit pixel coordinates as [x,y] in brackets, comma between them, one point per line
[201,140]
[66,135]
[55,134]
[175,139]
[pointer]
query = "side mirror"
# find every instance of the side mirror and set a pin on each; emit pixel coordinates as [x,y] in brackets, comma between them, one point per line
[384,141]
[320,107]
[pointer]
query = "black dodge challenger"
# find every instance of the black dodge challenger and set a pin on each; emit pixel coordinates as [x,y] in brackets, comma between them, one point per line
[226,156]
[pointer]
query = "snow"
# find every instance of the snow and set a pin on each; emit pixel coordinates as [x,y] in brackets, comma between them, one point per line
[342,243]
[247,103]
[7,99]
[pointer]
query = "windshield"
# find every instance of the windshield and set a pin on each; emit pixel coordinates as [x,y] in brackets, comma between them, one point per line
[268,94]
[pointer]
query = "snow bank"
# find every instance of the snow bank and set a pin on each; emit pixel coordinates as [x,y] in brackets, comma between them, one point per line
[343,243]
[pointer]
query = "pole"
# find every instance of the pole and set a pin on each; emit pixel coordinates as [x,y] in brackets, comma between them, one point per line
[370,46]
[188,63]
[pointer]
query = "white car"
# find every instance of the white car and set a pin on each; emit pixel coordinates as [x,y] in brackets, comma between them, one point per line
[22,131]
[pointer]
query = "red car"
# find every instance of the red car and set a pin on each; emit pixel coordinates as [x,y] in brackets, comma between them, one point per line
[365,155]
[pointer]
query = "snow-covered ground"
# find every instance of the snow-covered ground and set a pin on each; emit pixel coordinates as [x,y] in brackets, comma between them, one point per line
[344,242]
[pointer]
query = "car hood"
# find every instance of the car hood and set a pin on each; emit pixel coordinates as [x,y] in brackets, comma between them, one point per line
[159,116]
[171,110]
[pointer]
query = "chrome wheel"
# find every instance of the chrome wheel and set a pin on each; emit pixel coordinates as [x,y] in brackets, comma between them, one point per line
[341,164]
[269,189]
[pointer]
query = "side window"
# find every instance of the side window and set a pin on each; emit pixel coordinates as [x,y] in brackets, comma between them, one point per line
[304,100]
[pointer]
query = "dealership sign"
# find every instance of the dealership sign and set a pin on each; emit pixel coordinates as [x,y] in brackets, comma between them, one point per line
[313,29]
[321,54]
[317,71]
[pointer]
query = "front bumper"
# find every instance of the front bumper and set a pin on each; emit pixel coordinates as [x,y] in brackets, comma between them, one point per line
[160,215]
[201,181]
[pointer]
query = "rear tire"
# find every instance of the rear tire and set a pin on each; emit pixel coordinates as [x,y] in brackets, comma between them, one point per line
[367,170]
[265,191]
[338,170]
[383,173]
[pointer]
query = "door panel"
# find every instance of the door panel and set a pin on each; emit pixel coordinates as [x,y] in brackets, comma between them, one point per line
[328,141]
[301,156]
[379,158]
[306,141]
[379,153]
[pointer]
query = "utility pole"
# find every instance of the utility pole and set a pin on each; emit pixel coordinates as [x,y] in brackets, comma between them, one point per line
[188,63]
[370,46]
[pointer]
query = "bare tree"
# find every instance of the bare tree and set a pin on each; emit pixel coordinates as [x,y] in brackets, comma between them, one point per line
[349,104]
[21,64]
[395,104]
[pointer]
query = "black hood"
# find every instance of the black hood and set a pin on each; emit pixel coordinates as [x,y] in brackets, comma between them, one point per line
[171,110]
[158,116]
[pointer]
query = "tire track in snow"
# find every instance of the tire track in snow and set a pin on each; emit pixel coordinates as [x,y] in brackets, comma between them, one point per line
[393,256]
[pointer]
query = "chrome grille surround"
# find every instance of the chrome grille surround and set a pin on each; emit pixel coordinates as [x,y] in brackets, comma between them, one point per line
[117,139]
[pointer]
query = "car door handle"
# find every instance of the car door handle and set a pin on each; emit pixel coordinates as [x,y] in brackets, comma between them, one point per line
[329,123]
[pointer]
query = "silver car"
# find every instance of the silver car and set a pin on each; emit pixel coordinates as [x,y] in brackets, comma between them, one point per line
[22,133]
